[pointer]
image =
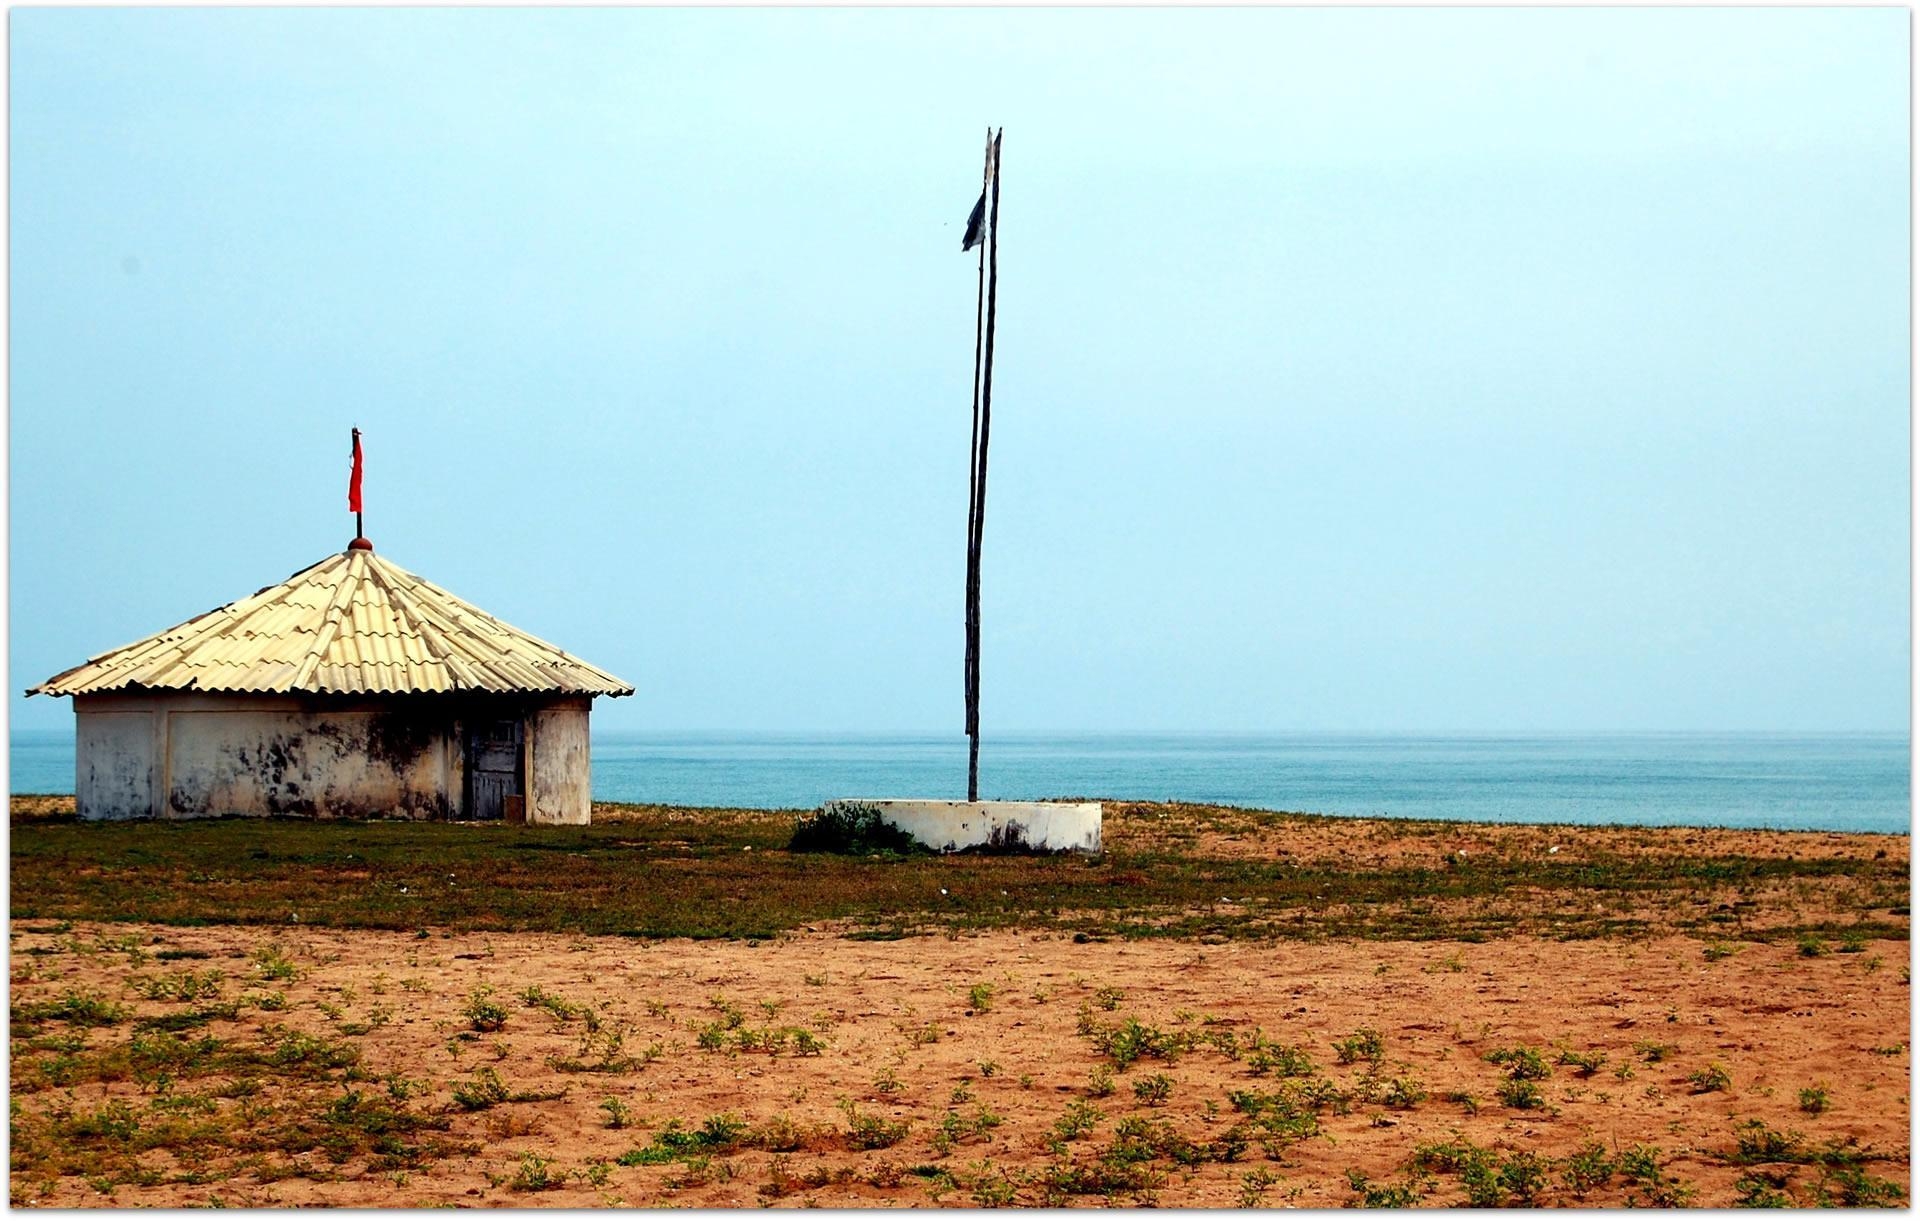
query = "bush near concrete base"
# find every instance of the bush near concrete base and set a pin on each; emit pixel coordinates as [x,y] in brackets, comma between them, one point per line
[852,827]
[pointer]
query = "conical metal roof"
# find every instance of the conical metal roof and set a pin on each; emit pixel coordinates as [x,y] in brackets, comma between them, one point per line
[352,624]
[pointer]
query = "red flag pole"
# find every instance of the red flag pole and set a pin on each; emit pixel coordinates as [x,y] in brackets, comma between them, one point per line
[353,492]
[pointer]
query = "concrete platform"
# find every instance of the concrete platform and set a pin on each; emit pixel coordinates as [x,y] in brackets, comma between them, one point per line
[995,826]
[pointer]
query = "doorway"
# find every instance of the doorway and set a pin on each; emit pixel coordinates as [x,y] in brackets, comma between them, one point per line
[494,774]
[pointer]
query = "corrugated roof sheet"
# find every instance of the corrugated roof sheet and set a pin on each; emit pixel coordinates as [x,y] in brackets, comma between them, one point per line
[353,623]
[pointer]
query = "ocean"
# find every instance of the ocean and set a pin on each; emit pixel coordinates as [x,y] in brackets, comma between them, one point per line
[1833,782]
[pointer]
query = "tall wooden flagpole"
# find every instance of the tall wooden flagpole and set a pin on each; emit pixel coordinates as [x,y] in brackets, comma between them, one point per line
[973,438]
[979,492]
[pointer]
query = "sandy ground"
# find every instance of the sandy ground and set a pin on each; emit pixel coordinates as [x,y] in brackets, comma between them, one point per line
[1218,831]
[903,1041]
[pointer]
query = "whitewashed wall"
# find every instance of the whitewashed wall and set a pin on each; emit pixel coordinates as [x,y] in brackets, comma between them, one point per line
[191,756]
[561,778]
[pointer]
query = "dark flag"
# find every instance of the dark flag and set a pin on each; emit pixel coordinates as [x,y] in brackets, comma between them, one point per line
[976,224]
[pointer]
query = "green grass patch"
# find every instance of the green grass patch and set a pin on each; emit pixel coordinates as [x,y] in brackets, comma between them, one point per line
[671,872]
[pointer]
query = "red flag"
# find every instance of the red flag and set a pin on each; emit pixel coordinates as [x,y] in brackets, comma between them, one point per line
[353,483]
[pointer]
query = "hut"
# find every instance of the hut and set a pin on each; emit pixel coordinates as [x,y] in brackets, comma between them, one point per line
[353,689]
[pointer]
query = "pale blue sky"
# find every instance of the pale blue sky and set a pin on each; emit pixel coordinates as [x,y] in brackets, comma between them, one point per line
[1367,369]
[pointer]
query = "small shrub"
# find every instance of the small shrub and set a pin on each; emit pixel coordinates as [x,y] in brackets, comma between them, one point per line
[921,1035]
[980,997]
[73,1008]
[1584,1063]
[1523,1176]
[851,827]
[871,1131]
[563,1010]
[994,1190]
[1640,1164]
[1153,1090]
[602,1050]
[1811,946]
[1368,1194]
[1402,1094]
[1587,1168]
[483,1013]
[1855,1188]
[957,1129]
[1254,1185]
[618,1116]
[1711,1079]
[1132,1039]
[1282,1060]
[312,1055]
[1521,1063]
[180,986]
[1756,1142]
[1363,1044]
[272,963]
[1477,1168]
[1521,1094]
[112,1120]
[777,1135]
[1760,1191]
[534,1176]
[721,1133]
[484,1091]
[1814,1099]
[1079,1119]
[807,1043]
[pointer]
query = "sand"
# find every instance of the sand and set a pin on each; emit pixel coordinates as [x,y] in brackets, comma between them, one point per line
[903,1040]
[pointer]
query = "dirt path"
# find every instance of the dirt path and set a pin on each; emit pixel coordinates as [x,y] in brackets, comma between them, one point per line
[1004,1033]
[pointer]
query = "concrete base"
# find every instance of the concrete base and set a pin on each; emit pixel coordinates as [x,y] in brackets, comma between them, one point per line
[1003,826]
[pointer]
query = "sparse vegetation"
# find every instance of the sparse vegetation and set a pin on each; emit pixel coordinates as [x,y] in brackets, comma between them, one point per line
[866,1131]
[1583,1063]
[1363,1044]
[1369,1194]
[256,872]
[1521,1094]
[1153,1090]
[153,1062]
[1282,1060]
[483,1012]
[1521,1063]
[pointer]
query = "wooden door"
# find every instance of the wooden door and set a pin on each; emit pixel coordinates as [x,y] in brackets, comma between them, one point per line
[493,767]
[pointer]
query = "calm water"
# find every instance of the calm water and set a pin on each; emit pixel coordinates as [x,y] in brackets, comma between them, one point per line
[1840,782]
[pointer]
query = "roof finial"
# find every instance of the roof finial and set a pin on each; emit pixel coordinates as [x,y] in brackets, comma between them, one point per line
[359,542]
